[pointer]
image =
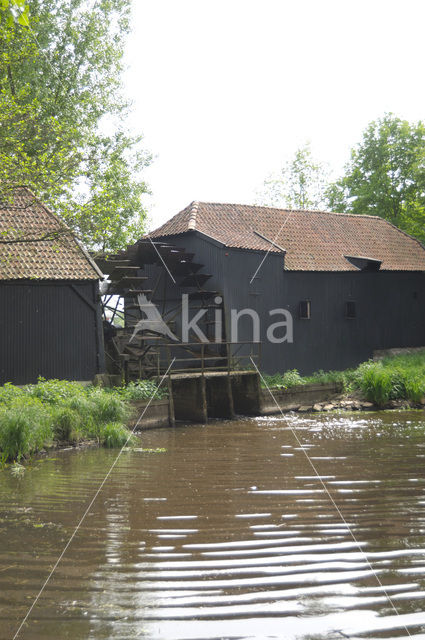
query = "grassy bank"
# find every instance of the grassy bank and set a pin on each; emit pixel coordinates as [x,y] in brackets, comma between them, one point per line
[38,416]
[399,377]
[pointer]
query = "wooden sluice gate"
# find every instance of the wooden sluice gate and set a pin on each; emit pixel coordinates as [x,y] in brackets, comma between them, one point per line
[214,394]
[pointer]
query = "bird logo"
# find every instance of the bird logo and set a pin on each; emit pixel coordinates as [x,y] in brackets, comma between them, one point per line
[153,321]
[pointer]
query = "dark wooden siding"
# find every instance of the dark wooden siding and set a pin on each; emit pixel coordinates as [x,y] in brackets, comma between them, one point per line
[390,312]
[390,306]
[49,329]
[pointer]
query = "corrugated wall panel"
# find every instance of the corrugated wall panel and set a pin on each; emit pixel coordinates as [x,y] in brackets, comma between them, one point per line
[390,306]
[46,329]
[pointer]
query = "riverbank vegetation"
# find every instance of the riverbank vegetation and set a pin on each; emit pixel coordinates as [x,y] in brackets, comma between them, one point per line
[398,377]
[38,416]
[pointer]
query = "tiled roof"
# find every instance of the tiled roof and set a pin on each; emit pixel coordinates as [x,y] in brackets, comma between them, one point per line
[57,256]
[313,240]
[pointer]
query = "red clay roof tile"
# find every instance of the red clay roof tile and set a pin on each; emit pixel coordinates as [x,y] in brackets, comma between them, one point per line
[313,240]
[57,257]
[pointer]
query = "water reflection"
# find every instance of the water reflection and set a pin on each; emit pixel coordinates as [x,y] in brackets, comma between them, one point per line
[228,534]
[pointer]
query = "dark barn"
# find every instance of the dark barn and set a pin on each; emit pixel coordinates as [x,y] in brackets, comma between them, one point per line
[50,321]
[352,284]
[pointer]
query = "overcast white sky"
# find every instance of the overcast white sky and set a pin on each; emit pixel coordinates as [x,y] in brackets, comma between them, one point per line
[225,91]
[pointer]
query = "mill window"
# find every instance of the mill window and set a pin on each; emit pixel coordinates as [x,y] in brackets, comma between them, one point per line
[350,309]
[305,310]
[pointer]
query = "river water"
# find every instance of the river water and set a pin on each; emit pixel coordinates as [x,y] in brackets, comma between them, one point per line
[224,531]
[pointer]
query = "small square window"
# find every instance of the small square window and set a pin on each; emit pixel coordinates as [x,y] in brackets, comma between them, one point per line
[305,309]
[350,309]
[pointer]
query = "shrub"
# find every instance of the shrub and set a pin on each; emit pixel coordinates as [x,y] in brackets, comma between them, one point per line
[55,391]
[290,378]
[9,392]
[142,390]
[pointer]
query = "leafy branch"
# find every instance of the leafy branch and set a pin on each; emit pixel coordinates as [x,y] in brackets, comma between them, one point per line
[60,82]
[15,11]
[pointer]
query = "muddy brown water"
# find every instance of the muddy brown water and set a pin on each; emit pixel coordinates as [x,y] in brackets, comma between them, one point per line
[226,534]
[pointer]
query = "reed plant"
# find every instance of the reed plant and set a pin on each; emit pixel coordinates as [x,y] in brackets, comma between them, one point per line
[25,426]
[398,377]
[51,412]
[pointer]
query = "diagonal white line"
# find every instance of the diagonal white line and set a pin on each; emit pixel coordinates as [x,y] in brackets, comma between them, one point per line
[162,260]
[274,240]
[99,489]
[259,266]
[331,498]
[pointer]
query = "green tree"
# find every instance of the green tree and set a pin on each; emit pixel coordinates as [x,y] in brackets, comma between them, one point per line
[15,11]
[300,184]
[34,149]
[62,120]
[386,175]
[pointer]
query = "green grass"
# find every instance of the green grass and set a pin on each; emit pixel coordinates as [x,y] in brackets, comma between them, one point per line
[393,378]
[24,426]
[292,378]
[142,390]
[288,379]
[399,377]
[114,434]
[40,415]
[325,377]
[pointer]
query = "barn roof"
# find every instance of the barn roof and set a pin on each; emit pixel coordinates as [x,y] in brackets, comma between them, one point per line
[35,244]
[312,240]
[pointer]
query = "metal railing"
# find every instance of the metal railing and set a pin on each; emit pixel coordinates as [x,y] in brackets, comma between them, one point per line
[206,360]
[192,357]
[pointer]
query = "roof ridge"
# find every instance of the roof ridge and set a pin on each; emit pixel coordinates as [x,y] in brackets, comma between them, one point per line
[316,241]
[193,212]
[260,206]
